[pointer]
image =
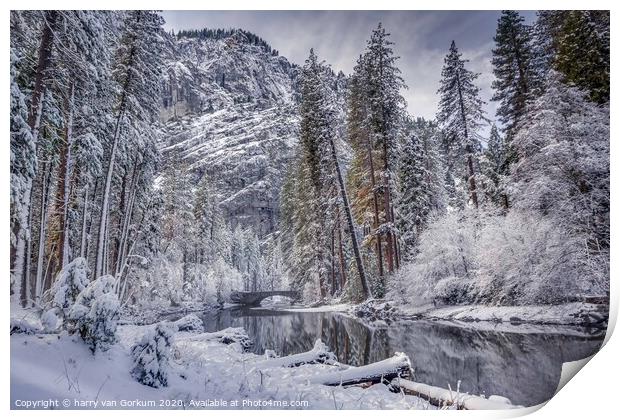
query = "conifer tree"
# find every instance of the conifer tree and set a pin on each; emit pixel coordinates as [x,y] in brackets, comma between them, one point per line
[460,116]
[514,82]
[420,182]
[136,71]
[374,125]
[575,43]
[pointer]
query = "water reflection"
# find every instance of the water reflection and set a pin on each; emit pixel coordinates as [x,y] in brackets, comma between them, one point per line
[524,367]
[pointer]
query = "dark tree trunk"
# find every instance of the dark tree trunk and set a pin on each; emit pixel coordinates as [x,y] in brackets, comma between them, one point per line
[347,209]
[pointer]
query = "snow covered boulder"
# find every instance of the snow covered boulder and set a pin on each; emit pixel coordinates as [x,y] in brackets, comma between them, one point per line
[25,324]
[50,320]
[95,314]
[70,282]
[190,323]
[376,310]
[152,355]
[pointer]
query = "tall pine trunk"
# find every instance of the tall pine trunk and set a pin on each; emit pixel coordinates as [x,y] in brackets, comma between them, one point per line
[471,179]
[84,219]
[347,209]
[64,187]
[375,202]
[39,280]
[44,62]
[343,264]
[101,265]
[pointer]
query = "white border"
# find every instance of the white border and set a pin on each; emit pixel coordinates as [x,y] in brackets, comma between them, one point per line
[592,395]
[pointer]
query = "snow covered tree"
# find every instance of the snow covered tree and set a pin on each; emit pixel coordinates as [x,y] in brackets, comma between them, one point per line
[71,281]
[23,169]
[576,43]
[151,355]
[493,168]
[136,72]
[316,189]
[95,314]
[460,116]
[374,125]
[383,86]
[209,220]
[420,182]
[563,170]
[515,82]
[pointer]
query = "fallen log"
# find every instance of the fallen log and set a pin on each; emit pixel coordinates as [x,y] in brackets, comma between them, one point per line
[226,336]
[397,366]
[319,354]
[441,397]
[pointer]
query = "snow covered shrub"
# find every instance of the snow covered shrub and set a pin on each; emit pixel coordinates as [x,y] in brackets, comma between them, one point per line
[95,313]
[190,323]
[445,263]
[151,355]
[71,281]
[518,259]
[454,291]
[50,320]
[563,168]
[525,258]
[213,283]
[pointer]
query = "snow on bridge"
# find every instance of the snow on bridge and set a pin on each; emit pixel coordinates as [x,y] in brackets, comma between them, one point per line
[255,298]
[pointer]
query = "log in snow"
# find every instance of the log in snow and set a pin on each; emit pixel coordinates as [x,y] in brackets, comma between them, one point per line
[441,397]
[227,336]
[319,354]
[397,366]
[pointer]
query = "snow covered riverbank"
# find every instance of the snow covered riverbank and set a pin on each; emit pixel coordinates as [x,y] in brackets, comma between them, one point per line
[203,374]
[575,314]
[570,314]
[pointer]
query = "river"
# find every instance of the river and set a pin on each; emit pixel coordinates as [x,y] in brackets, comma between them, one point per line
[524,366]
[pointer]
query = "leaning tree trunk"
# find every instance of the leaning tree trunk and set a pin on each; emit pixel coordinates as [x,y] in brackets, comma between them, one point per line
[347,209]
[34,121]
[343,264]
[101,265]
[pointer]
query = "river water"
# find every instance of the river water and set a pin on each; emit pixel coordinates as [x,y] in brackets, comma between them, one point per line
[524,366]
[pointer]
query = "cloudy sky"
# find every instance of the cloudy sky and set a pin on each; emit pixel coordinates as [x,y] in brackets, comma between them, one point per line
[421,38]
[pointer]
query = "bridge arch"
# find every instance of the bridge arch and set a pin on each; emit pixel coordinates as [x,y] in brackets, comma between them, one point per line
[255,298]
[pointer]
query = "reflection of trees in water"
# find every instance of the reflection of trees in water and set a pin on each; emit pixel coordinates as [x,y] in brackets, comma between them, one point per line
[524,367]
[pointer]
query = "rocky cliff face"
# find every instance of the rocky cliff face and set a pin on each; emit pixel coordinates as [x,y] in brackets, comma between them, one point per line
[230,112]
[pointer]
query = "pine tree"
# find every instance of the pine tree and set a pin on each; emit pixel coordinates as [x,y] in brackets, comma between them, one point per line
[460,116]
[374,124]
[386,106]
[137,75]
[563,168]
[420,182]
[515,82]
[308,193]
[575,43]
[493,168]
[583,52]
[23,169]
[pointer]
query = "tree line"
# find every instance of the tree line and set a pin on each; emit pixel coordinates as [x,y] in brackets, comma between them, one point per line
[407,175]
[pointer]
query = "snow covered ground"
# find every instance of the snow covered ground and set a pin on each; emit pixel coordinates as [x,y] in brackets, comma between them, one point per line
[59,371]
[581,314]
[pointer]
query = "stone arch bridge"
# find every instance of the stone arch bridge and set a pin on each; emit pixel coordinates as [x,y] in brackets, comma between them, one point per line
[255,298]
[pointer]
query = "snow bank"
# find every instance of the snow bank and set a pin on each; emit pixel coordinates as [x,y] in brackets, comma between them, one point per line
[388,369]
[448,398]
[580,314]
[200,372]
[319,354]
